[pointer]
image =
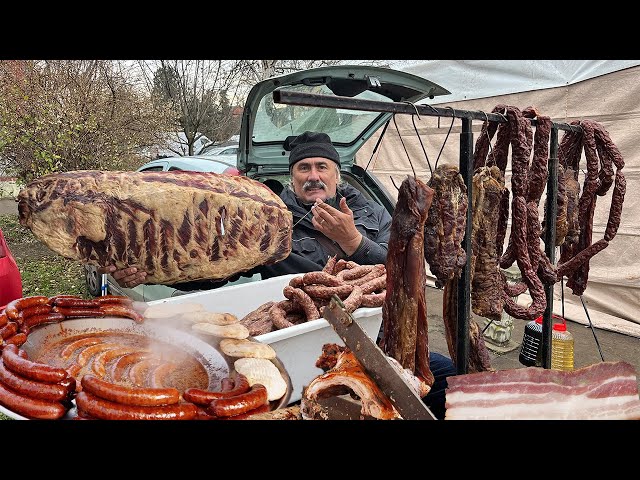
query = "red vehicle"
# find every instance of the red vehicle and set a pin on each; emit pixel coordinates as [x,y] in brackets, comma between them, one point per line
[10,279]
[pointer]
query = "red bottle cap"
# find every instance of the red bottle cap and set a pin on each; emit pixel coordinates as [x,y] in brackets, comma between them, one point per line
[560,327]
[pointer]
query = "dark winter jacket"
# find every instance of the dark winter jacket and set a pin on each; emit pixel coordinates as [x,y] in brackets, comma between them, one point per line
[310,249]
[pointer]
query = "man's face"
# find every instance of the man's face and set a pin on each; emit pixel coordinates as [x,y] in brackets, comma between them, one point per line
[313,178]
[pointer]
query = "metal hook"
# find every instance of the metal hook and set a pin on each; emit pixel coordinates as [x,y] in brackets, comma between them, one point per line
[486,131]
[431,107]
[394,183]
[403,145]
[453,118]
[414,107]
[375,149]
[421,144]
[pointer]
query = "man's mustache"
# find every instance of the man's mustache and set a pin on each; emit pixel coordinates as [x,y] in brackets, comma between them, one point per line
[314,184]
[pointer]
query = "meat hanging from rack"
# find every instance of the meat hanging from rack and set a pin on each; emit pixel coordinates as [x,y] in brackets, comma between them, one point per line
[598,150]
[404,311]
[445,225]
[486,284]
[443,235]
[562,223]
[490,214]
[575,211]
[528,182]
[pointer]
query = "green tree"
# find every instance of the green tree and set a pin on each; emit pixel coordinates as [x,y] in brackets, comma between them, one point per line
[165,84]
[200,93]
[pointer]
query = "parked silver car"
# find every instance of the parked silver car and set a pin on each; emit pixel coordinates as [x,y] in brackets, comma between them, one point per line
[226,150]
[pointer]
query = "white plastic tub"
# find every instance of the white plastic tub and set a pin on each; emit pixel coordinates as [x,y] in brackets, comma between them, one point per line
[297,347]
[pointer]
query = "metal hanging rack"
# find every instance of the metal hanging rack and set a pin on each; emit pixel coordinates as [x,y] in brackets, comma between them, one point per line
[466,170]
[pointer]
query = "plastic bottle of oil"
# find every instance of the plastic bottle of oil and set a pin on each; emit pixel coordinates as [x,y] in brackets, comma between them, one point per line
[561,347]
[530,350]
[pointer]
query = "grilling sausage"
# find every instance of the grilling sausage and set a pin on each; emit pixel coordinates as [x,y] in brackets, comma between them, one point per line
[243,416]
[97,407]
[30,369]
[30,407]
[115,299]
[53,392]
[238,404]
[66,302]
[13,308]
[129,395]
[121,310]
[73,346]
[36,320]
[32,311]
[78,312]
[9,330]
[204,397]
[17,340]
[101,360]
[123,362]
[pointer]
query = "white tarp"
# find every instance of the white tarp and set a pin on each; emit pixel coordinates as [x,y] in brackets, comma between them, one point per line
[612,99]
[470,79]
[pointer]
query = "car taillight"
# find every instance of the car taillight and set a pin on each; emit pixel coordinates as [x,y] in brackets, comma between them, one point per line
[231,171]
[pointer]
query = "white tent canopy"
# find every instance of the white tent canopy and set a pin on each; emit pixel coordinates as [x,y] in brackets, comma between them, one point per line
[604,91]
[471,79]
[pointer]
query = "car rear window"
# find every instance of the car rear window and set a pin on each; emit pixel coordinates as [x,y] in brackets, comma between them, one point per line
[274,122]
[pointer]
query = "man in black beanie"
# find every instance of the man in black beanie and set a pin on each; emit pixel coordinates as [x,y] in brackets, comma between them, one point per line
[331,217]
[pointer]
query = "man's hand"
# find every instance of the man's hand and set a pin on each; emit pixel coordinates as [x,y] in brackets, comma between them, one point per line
[338,225]
[128,277]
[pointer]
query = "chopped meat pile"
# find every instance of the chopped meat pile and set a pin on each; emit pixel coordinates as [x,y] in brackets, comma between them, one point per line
[329,357]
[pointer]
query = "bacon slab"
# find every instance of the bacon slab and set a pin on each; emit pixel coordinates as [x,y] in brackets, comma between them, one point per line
[604,391]
[177,226]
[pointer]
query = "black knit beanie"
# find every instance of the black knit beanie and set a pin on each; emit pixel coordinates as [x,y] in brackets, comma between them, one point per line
[312,144]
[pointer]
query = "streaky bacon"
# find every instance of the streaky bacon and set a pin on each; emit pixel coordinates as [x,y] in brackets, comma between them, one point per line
[606,390]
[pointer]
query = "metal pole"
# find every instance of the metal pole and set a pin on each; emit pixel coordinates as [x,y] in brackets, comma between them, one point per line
[464,282]
[586,311]
[328,101]
[550,244]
